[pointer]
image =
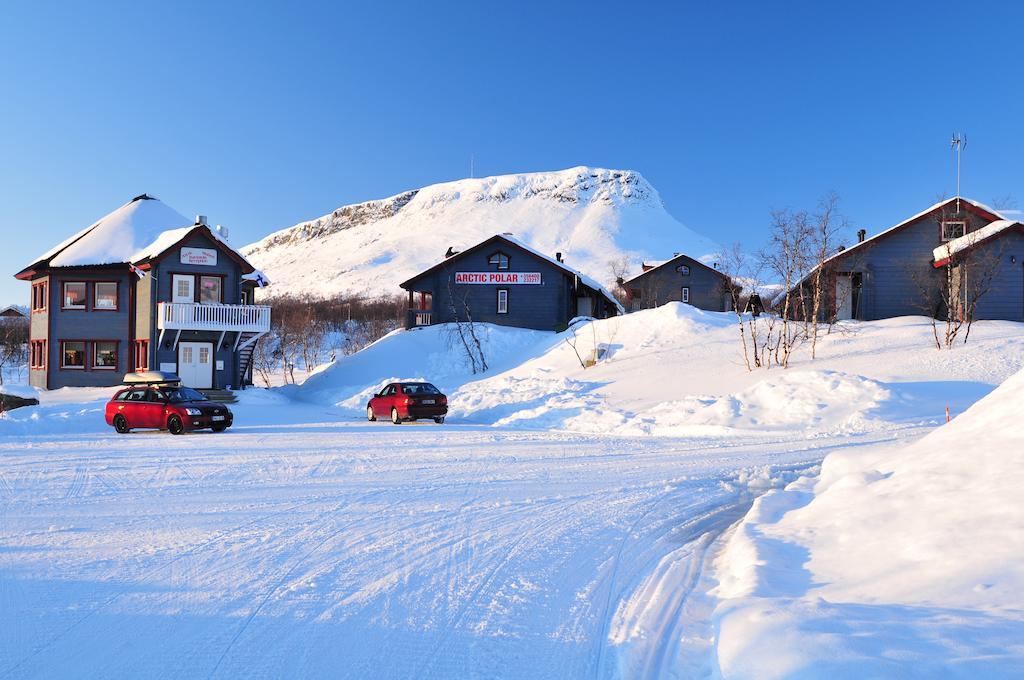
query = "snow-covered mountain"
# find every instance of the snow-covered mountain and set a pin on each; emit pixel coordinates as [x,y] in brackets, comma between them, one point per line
[592,215]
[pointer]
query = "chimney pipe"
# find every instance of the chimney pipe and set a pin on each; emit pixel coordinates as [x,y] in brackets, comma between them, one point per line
[201,219]
[861,233]
[558,256]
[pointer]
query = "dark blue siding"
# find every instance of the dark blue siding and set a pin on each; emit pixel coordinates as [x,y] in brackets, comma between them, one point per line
[709,290]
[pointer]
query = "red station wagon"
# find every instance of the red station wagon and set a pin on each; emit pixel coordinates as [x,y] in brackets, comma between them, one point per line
[408,401]
[166,407]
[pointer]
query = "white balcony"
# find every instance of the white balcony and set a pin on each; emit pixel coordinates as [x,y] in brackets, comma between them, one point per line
[176,316]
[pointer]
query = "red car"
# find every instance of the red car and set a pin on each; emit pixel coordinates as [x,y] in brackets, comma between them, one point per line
[164,407]
[408,401]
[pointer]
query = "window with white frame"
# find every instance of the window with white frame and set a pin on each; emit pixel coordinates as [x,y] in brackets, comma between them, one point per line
[72,354]
[498,259]
[952,229]
[104,295]
[503,301]
[685,294]
[104,355]
[74,295]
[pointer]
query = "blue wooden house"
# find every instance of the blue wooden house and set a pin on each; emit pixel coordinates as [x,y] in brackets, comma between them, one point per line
[503,281]
[901,270]
[143,288]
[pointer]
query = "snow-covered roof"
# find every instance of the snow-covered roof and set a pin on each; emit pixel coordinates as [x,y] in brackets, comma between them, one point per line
[923,213]
[583,278]
[116,237]
[957,245]
[141,229]
[650,265]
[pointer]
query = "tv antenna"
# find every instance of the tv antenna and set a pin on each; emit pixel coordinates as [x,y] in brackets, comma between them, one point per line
[958,144]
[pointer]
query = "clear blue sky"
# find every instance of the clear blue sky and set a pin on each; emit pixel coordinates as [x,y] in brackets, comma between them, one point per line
[261,116]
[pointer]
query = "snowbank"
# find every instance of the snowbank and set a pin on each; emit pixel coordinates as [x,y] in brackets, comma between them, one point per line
[677,371]
[431,353]
[904,563]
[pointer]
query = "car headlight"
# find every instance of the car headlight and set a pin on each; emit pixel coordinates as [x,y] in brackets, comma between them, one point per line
[193,412]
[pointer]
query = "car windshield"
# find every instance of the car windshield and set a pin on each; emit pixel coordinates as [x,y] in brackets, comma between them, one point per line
[420,388]
[181,394]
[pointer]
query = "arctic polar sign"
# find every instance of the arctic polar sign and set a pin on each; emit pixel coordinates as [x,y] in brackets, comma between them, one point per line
[201,256]
[500,278]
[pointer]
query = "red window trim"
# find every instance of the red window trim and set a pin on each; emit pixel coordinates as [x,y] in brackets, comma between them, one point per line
[37,355]
[85,355]
[141,355]
[117,355]
[84,308]
[117,297]
[39,296]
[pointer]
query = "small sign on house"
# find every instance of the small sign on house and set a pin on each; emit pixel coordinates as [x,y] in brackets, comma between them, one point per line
[205,257]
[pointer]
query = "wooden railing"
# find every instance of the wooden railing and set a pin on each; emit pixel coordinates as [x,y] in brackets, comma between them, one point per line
[193,317]
[418,317]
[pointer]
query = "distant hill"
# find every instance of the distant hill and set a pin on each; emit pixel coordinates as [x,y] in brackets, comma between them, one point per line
[592,215]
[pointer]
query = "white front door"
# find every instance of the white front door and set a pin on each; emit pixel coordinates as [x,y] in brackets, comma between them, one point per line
[844,297]
[183,288]
[195,364]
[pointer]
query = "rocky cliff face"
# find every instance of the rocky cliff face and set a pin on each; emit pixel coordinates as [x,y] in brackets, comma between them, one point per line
[595,216]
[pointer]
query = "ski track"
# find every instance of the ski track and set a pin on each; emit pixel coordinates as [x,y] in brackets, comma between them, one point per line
[362,550]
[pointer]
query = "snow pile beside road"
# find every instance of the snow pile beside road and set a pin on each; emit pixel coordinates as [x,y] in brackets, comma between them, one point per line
[63,411]
[809,401]
[432,353]
[904,563]
[677,371]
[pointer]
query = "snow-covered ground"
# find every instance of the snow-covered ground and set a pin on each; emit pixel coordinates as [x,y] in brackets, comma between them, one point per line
[564,523]
[901,562]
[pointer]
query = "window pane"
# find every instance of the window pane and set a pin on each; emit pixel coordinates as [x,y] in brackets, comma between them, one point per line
[106,355]
[183,287]
[74,295]
[105,296]
[73,354]
[209,289]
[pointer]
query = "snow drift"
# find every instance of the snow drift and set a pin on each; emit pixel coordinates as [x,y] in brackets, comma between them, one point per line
[905,563]
[594,216]
[675,371]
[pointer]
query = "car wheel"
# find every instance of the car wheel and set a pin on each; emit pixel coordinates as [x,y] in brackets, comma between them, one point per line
[219,427]
[439,420]
[120,424]
[174,425]
[394,416]
[369,414]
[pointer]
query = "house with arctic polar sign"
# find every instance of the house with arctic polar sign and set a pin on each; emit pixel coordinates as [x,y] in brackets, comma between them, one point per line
[143,288]
[504,281]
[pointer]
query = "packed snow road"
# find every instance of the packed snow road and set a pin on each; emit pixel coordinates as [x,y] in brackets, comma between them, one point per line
[365,550]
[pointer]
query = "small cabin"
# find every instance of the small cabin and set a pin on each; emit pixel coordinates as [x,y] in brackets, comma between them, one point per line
[506,282]
[680,279]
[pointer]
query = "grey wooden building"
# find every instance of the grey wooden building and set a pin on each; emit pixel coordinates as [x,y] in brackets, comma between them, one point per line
[504,281]
[681,279]
[143,288]
[901,271]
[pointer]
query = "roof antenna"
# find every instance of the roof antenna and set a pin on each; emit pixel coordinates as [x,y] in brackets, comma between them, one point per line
[958,144]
